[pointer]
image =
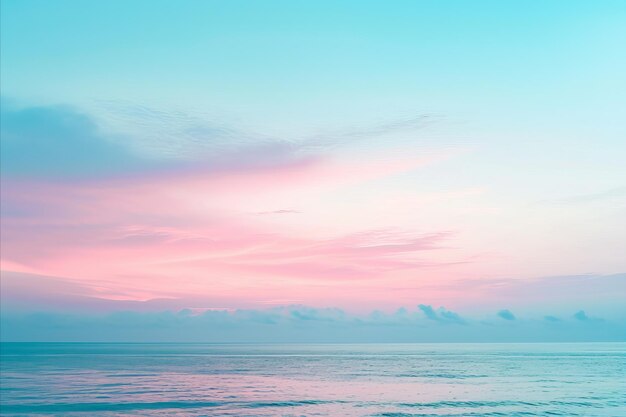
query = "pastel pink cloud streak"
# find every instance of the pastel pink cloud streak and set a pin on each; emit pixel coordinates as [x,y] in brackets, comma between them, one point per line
[189,233]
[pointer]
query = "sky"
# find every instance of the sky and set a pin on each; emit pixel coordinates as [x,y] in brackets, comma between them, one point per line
[355,170]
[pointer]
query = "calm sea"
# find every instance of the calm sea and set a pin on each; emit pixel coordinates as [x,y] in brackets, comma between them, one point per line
[313,380]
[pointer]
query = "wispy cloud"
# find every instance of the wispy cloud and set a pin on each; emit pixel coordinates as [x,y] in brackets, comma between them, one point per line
[282,211]
[376,130]
[181,132]
[62,141]
[611,194]
[562,290]
[128,138]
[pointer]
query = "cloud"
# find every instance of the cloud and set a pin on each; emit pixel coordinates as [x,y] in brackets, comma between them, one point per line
[442,315]
[148,229]
[308,313]
[428,311]
[572,291]
[40,308]
[284,211]
[450,316]
[375,130]
[62,141]
[58,141]
[145,261]
[581,315]
[175,133]
[293,323]
[610,194]
[506,315]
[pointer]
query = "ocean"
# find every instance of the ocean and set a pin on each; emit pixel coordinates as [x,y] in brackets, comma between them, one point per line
[99,379]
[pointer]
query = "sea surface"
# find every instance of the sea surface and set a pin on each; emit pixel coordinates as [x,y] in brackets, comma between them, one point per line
[93,379]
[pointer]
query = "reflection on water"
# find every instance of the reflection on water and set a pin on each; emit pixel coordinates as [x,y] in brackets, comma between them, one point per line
[313,380]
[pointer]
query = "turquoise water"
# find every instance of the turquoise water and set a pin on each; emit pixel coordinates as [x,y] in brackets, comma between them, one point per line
[313,380]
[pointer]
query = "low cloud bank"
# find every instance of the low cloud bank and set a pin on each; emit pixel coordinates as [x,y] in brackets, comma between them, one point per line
[307,325]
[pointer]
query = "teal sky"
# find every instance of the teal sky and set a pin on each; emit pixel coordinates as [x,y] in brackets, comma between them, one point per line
[290,65]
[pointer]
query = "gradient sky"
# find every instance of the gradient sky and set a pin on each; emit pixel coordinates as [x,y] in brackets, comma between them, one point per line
[194,156]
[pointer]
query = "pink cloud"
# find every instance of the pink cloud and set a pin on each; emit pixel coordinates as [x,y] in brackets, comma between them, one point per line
[188,233]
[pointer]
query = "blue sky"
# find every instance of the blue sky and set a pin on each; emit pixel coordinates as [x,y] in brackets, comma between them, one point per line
[301,63]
